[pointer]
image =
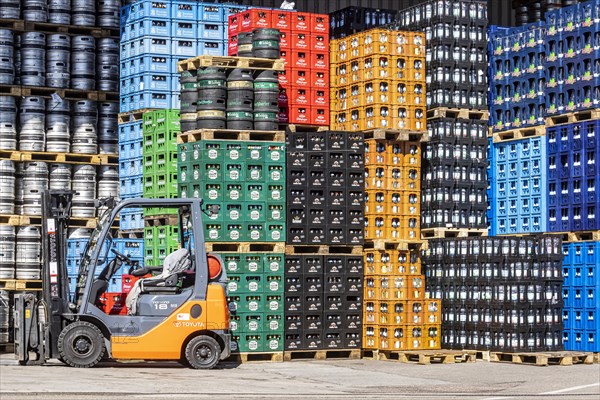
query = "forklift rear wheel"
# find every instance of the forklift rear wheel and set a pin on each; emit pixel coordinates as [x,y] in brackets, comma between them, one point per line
[203,352]
[81,344]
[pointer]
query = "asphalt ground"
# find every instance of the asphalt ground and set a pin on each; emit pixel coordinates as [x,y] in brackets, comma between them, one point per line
[330,379]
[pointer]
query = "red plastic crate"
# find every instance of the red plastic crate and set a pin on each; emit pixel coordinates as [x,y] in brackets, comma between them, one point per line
[234,24]
[300,95]
[301,22]
[319,43]
[284,40]
[300,59]
[112,303]
[232,45]
[319,60]
[300,115]
[301,41]
[284,78]
[319,23]
[319,78]
[255,18]
[281,20]
[300,77]
[319,115]
[283,116]
[286,55]
[130,280]
[320,97]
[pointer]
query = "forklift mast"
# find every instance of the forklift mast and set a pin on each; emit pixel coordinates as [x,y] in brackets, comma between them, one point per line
[38,317]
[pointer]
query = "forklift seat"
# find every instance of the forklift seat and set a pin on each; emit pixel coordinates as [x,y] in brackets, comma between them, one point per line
[174,264]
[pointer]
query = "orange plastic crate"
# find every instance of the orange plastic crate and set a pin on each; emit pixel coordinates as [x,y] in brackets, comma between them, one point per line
[433,339]
[433,311]
[409,117]
[370,336]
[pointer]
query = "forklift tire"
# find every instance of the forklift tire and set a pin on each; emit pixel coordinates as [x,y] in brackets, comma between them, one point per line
[81,344]
[203,352]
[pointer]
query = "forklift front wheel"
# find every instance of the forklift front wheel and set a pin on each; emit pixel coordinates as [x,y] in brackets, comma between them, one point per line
[203,352]
[81,344]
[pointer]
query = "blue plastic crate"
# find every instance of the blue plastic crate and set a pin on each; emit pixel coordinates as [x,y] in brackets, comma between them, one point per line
[73,265]
[157,27]
[185,47]
[131,167]
[75,247]
[134,248]
[212,31]
[211,47]
[132,219]
[148,63]
[155,81]
[153,8]
[130,131]
[152,99]
[184,29]
[583,340]
[232,9]
[115,284]
[211,12]
[184,10]
[72,285]
[591,132]
[132,186]
[131,149]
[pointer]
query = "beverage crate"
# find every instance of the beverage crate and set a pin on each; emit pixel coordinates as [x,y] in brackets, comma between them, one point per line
[132,219]
[161,82]
[130,131]
[130,166]
[146,64]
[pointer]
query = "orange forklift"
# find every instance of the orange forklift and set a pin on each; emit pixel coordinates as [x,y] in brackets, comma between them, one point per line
[179,314]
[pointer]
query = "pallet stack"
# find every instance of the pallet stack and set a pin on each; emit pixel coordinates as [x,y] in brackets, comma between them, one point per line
[243,173]
[324,266]
[304,44]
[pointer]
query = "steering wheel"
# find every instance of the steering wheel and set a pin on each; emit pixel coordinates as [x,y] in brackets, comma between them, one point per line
[122,257]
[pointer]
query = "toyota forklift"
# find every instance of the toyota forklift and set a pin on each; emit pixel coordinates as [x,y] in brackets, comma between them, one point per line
[178,314]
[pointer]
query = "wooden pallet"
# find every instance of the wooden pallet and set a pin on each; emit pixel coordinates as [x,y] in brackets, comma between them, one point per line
[255,63]
[573,117]
[35,220]
[543,359]
[252,357]
[520,133]
[464,113]
[230,134]
[68,94]
[581,236]
[323,249]
[20,25]
[133,116]
[384,244]
[326,354]
[161,220]
[404,135]
[20,284]
[245,247]
[70,158]
[440,233]
[304,128]
[425,357]
[596,358]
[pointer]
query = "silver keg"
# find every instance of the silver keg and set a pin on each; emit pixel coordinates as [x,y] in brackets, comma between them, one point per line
[83,12]
[84,185]
[59,177]
[7,187]
[58,120]
[33,59]
[83,62]
[59,12]
[35,182]
[7,252]
[8,123]
[19,188]
[17,54]
[29,253]
[32,120]
[108,140]
[84,119]
[7,57]
[10,9]
[35,10]
[108,182]
[58,60]
[108,13]
[107,64]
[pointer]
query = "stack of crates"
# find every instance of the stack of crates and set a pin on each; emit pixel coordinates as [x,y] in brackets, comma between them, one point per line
[255,290]
[160,130]
[517,76]
[304,85]
[325,188]
[245,179]
[351,20]
[518,192]
[572,56]
[378,81]
[155,36]
[397,315]
[131,174]
[573,175]
[581,294]
[392,196]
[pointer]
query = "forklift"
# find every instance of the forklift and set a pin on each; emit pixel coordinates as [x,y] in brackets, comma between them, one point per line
[179,314]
